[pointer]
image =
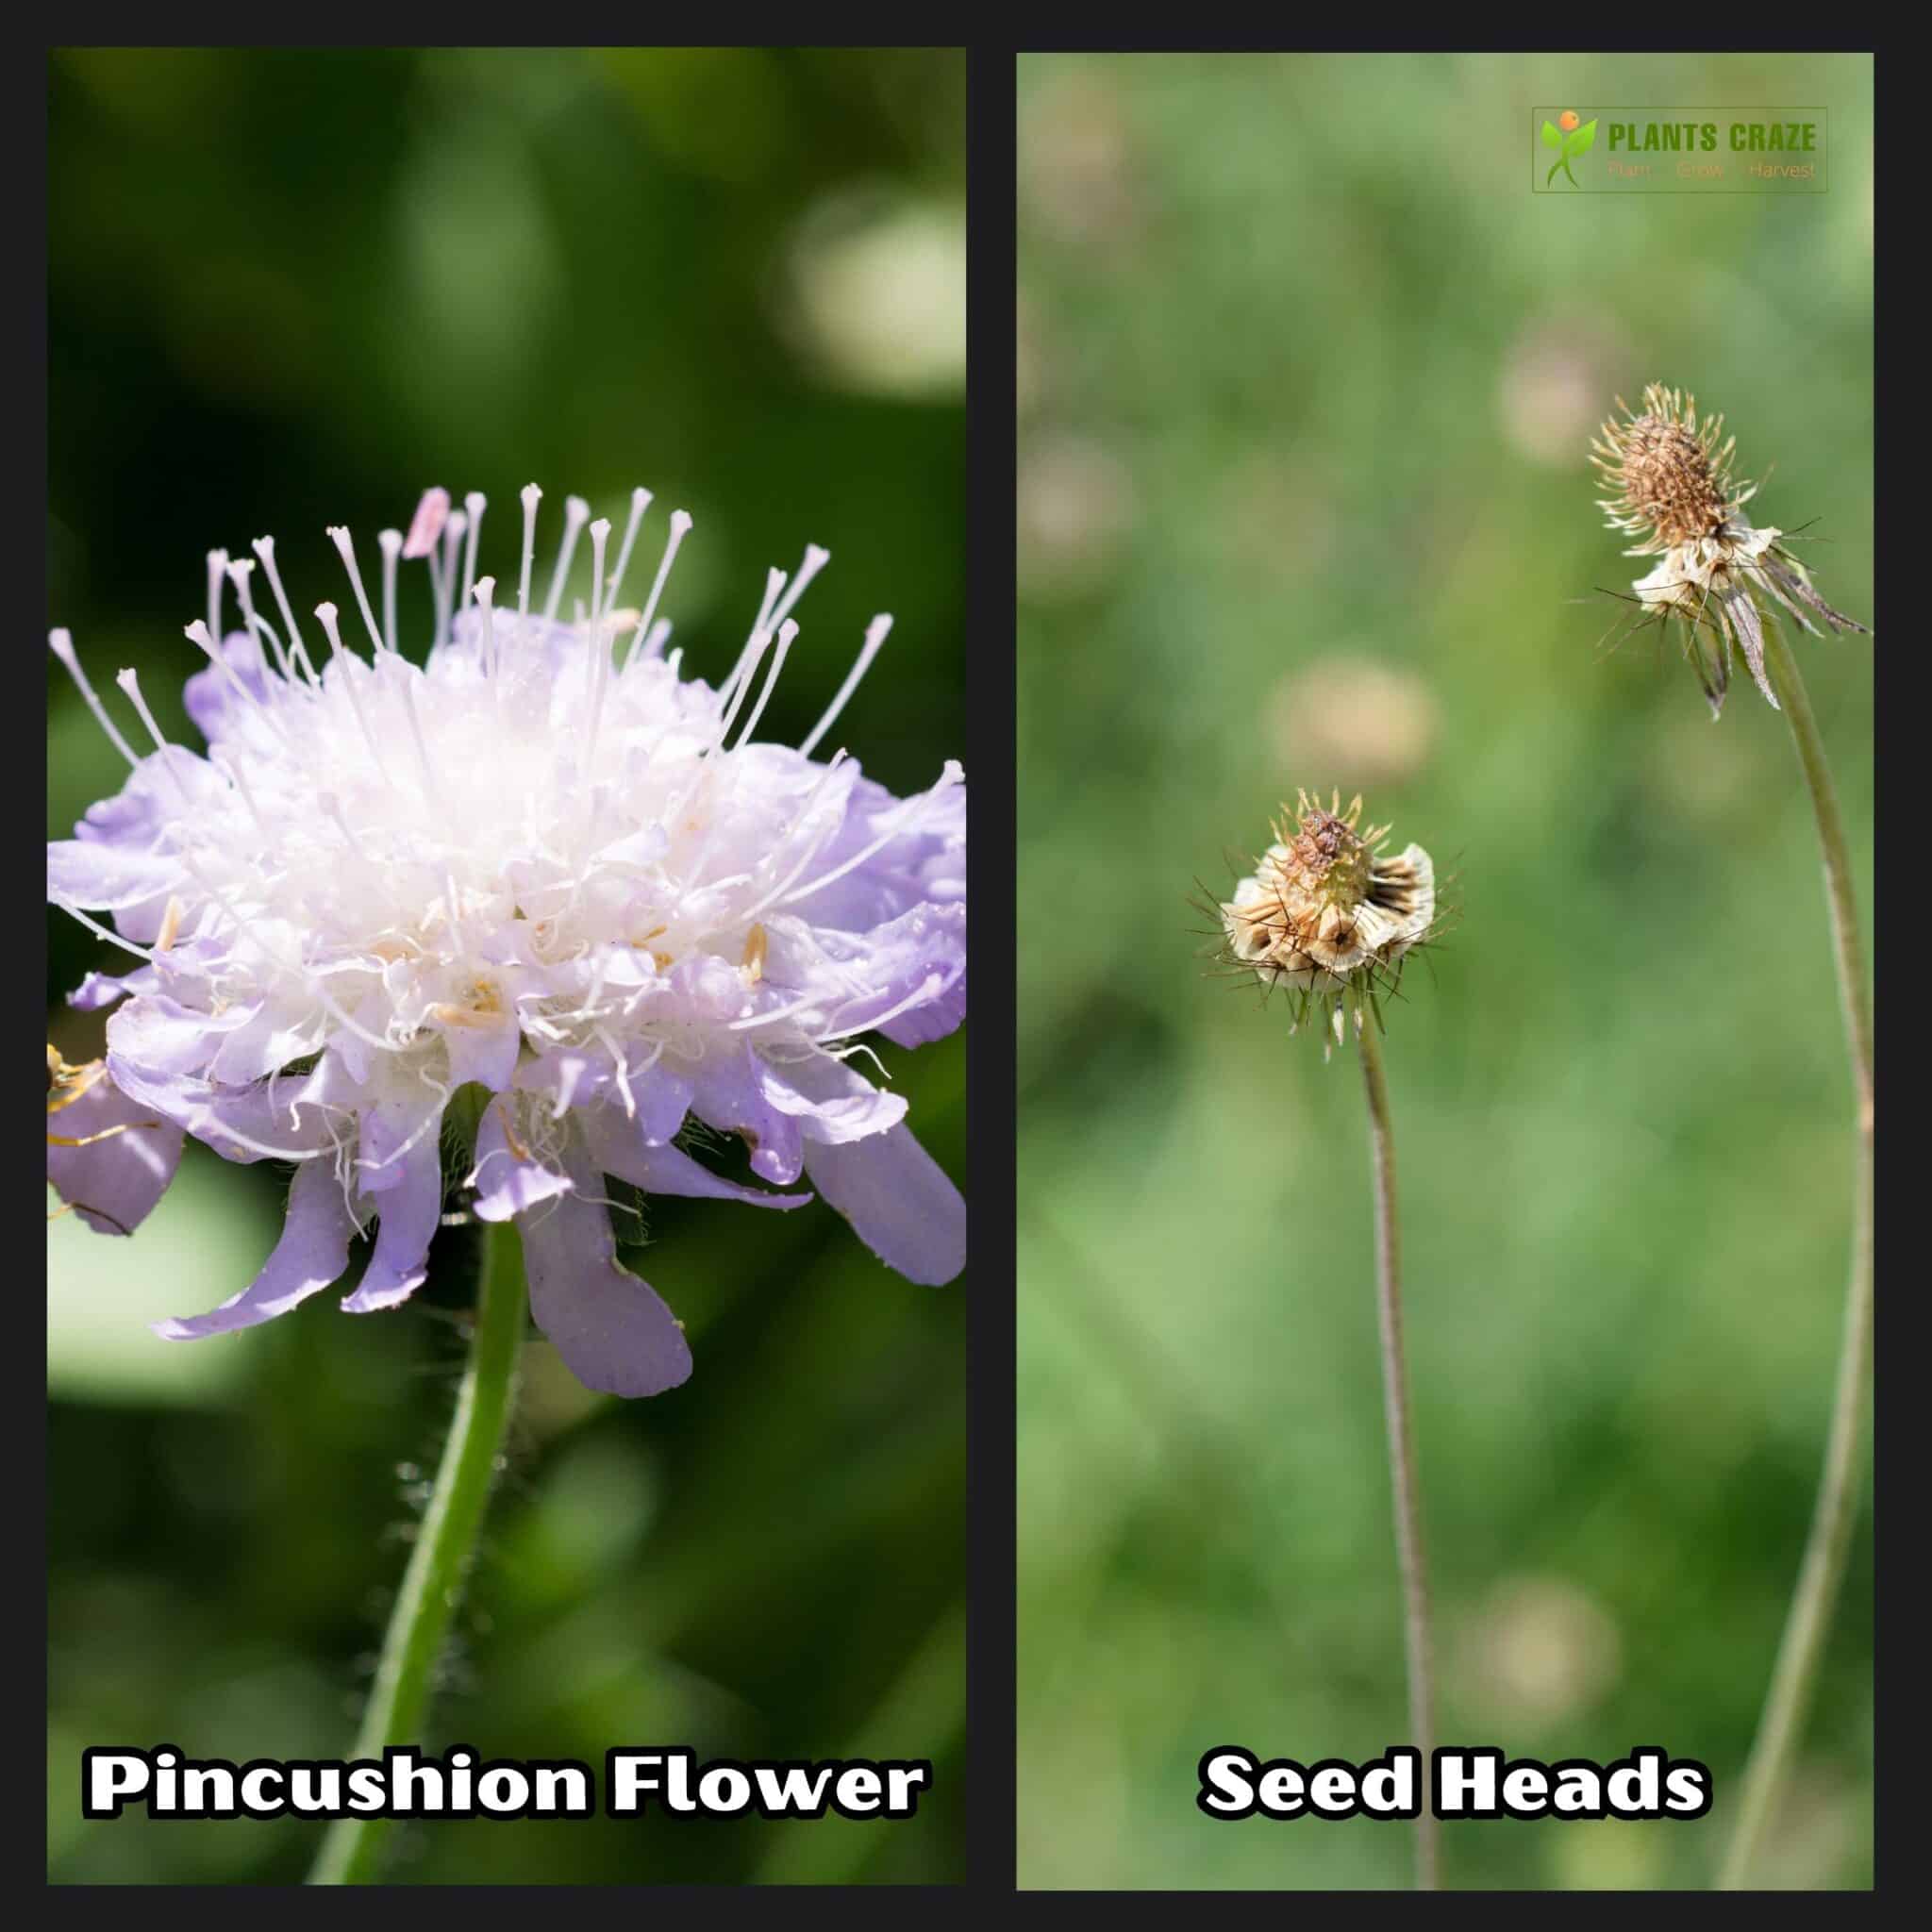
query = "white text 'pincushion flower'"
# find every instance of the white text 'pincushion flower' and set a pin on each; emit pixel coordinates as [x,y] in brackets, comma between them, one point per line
[544,866]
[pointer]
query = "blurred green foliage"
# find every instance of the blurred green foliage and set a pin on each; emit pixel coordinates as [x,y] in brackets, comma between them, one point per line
[1307,379]
[292,289]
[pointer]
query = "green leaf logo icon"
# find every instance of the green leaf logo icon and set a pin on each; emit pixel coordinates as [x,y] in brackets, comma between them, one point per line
[1576,140]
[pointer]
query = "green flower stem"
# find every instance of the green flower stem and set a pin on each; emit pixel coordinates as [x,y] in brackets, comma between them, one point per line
[1409,1528]
[445,1546]
[1795,1676]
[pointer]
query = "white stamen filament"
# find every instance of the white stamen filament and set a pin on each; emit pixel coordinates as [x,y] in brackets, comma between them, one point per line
[680,522]
[446,578]
[815,561]
[763,627]
[391,544]
[639,503]
[485,594]
[345,548]
[131,685]
[348,669]
[574,512]
[875,634]
[473,506]
[264,547]
[240,572]
[217,570]
[99,931]
[753,652]
[531,496]
[773,1014]
[599,646]
[61,644]
[787,631]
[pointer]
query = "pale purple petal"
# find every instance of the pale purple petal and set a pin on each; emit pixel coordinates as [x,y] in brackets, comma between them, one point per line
[240,1123]
[661,1098]
[898,1201]
[113,1182]
[264,1044]
[484,1054]
[728,1093]
[906,977]
[568,1076]
[925,864]
[611,1329]
[161,1036]
[144,813]
[411,1207]
[506,1184]
[312,1253]
[571,1077]
[99,990]
[393,1129]
[618,1147]
[829,1100]
[108,879]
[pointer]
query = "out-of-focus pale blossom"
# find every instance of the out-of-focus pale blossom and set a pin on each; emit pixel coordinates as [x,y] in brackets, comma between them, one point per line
[1372,724]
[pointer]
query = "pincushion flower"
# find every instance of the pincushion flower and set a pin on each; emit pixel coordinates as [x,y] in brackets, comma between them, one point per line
[1327,910]
[1722,578]
[543,885]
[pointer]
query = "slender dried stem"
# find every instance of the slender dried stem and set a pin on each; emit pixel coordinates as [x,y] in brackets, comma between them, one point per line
[1409,1529]
[1795,1676]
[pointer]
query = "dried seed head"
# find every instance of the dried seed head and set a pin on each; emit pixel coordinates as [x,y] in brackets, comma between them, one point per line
[1324,909]
[1666,475]
[1722,579]
[1672,474]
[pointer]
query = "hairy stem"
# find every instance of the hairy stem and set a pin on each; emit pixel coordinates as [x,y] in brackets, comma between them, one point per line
[445,1546]
[1795,1676]
[1409,1529]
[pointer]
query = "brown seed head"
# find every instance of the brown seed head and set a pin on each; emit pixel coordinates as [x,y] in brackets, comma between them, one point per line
[1323,904]
[1667,480]
[1324,862]
[1672,476]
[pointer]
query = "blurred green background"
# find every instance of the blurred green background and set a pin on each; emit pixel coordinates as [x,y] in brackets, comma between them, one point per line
[1307,380]
[289,290]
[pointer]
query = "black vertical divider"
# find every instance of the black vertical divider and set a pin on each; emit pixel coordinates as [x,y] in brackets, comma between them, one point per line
[990,1833]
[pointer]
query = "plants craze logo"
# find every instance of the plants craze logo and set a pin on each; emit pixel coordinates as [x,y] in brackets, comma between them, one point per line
[1568,139]
[1678,150]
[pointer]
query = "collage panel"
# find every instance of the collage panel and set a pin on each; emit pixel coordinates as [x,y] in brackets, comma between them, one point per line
[524,491]
[1439,1139]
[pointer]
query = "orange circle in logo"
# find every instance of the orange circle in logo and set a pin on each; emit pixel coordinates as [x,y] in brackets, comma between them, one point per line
[1568,120]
